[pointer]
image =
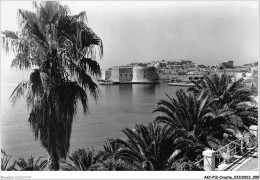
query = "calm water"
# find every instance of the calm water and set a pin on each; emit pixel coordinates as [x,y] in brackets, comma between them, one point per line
[119,106]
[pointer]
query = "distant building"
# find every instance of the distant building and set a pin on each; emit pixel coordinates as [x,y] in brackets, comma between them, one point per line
[186,61]
[235,74]
[158,64]
[251,64]
[137,64]
[247,65]
[106,74]
[254,72]
[171,63]
[185,70]
[191,69]
[144,74]
[122,74]
[135,74]
[201,66]
[193,75]
[176,67]
[241,69]
[177,63]
[165,74]
[226,64]
[251,79]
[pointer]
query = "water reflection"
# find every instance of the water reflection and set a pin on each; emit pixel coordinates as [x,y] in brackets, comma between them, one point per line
[143,98]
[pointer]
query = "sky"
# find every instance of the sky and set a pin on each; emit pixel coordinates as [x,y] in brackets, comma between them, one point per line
[205,32]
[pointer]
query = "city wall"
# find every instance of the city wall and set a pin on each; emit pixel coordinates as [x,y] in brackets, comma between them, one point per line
[123,74]
[144,74]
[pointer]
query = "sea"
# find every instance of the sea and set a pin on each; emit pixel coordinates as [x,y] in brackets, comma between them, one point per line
[118,107]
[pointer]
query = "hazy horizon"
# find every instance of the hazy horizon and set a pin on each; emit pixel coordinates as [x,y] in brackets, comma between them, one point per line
[202,31]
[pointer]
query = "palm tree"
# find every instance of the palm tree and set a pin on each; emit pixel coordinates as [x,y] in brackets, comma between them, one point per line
[147,148]
[81,159]
[31,164]
[193,116]
[63,51]
[198,86]
[185,164]
[91,160]
[5,165]
[105,157]
[235,95]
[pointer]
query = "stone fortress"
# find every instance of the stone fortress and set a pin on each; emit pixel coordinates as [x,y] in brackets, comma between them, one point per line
[136,74]
[180,71]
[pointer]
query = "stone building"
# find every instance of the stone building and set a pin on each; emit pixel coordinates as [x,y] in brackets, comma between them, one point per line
[122,74]
[226,64]
[166,74]
[106,74]
[144,75]
[193,75]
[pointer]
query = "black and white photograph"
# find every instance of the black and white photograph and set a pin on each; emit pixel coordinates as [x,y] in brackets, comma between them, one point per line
[145,88]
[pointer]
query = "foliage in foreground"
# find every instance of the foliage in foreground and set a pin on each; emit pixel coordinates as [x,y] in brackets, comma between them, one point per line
[20,164]
[232,94]
[6,165]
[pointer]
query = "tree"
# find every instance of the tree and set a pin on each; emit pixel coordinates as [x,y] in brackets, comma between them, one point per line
[147,148]
[5,162]
[229,94]
[63,52]
[31,164]
[105,157]
[192,116]
[81,159]
[184,164]
[92,160]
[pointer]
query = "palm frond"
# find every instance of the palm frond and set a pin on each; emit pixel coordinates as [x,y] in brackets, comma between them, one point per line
[81,17]
[31,164]
[19,91]
[84,37]
[91,65]
[81,159]
[48,11]
[9,41]
[10,34]
[5,162]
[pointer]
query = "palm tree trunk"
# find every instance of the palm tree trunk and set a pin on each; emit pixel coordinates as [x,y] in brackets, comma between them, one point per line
[54,164]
